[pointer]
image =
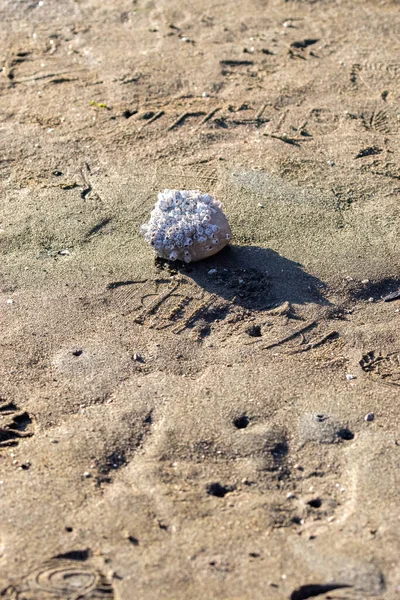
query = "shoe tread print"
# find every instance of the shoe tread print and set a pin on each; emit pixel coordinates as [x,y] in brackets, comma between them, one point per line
[62,578]
[382,366]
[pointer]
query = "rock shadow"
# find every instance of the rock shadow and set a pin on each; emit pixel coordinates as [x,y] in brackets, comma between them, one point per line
[255,278]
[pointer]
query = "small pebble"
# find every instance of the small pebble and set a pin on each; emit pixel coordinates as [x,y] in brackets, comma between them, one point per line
[212,271]
[87,474]
[10,301]
[365,281]
[260,205]
[370,299]
[349,377]
[369,417]
[64,252]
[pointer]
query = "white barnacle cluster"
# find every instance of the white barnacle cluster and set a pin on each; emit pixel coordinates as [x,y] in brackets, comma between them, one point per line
[186,225]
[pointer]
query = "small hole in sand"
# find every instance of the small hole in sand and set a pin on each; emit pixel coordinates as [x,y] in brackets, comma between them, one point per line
[128,113]
[297,520]
[315,503]
[280,450]
[241,422]
[345,434]
[218,490]
[254,331]
[134,541]
[320,417]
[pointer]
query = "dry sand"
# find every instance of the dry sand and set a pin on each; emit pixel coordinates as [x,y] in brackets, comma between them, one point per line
[181,434]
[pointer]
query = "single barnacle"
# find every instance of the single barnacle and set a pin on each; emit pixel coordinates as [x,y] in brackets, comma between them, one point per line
[183,219]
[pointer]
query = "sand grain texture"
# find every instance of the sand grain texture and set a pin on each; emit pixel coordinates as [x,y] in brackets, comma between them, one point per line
[199,432]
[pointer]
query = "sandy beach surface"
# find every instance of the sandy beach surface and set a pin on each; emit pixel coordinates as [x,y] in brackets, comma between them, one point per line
[227,430]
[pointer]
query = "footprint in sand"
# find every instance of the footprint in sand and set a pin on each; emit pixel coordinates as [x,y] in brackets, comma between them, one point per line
[64,577]
[14,424]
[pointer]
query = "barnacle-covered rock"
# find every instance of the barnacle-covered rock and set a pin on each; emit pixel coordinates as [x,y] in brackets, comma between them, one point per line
[186,225]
